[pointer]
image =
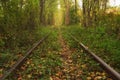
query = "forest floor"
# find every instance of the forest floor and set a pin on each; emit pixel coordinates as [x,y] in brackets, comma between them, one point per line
[71,70]
[60,58]
[68,68]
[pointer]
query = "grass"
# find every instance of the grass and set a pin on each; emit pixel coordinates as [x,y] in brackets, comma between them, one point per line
[101,40]
[89,69]
[44,61]
[25,42]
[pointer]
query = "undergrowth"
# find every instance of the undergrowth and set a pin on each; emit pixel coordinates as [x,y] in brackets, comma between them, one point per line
[101,40]
[10,54]
[44,61]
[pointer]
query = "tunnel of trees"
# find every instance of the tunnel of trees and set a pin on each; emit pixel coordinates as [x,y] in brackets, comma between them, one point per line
[22,23]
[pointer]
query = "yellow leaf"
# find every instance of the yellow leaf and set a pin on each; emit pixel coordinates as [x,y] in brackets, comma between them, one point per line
[29,76]
[97,73]
[83,66]
[51,78]
[89,78]
[28,62]
[103,74]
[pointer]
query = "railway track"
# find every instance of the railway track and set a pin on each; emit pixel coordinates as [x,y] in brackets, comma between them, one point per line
[115,75]
[23,59]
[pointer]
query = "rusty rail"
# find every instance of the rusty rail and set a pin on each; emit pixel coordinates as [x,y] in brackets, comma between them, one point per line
[22,59]
[109,69]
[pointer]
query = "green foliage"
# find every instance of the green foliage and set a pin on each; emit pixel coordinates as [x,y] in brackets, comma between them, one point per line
[74,16]
[20,28]
[44,61]
[101,40]
[2,43]
[4,58]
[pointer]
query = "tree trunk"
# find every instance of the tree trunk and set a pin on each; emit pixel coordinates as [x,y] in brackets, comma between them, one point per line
[67,12]
[42,6]
[76,6]
[91,10]
[85,14]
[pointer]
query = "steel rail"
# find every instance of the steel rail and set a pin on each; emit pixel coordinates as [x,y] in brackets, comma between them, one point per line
[115,75]
[22,59]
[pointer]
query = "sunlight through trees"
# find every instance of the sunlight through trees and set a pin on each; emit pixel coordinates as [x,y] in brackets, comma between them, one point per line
[23,22]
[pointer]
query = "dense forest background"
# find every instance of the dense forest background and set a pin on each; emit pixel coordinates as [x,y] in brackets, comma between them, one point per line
[23,13]
[19,19]
[21,22]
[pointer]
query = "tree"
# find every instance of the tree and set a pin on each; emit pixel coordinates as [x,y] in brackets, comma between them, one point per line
[76,6]
[42,7]
[67,12]
[91,8]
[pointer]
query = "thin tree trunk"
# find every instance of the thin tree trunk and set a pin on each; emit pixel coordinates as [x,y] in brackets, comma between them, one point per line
[84,15]
[67,12]
[75,6]
[42,6]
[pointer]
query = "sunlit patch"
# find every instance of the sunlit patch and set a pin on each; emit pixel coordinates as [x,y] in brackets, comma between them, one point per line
[59,6]
[114,2]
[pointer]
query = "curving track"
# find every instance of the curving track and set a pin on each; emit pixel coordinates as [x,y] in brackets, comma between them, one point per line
[115,75]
